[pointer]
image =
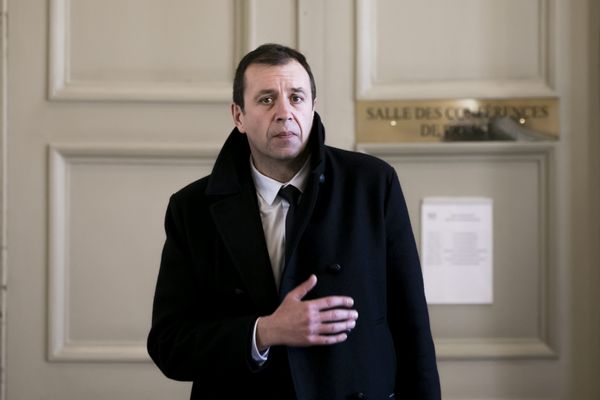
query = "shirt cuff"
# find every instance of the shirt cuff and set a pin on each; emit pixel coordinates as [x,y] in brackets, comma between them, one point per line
[257,356]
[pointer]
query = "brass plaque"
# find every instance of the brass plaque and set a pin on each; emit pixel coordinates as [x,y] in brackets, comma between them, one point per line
[523,119]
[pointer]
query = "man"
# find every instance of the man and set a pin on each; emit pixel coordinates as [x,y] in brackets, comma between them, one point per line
[264,295]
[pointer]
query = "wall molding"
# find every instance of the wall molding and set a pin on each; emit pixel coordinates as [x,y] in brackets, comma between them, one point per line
[494,348]
[62,157]
[543,155]
[61,85]
[368,89]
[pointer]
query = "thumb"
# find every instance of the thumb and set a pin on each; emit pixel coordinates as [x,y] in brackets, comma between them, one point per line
[302,289]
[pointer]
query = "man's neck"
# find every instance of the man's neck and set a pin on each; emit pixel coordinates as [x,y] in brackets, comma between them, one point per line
[282,171]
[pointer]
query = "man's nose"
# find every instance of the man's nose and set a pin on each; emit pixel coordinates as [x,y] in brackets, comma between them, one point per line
[283,110]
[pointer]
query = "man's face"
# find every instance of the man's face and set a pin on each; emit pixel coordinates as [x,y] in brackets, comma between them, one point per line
[278,114]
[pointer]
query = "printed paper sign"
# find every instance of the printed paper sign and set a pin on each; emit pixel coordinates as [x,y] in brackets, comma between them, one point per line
[456,250]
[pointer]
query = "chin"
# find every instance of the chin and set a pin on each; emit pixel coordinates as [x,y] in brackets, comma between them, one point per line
[289,154]
[288,157]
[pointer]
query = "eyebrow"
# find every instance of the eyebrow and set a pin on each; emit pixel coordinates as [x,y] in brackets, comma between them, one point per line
[299,90]
[265,91]
[273,91]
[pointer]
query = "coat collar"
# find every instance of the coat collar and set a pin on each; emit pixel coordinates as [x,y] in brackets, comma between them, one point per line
[232,171]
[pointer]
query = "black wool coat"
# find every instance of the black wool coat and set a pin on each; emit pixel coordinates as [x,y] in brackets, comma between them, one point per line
[215,279]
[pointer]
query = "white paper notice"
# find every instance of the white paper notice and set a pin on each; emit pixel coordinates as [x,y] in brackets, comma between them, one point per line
[456,250]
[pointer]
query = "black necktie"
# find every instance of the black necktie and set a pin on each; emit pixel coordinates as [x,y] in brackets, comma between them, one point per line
[291,194]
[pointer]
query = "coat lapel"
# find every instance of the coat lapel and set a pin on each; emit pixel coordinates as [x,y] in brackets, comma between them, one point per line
[292,275]
[237,218]
[305,209]
[238,221]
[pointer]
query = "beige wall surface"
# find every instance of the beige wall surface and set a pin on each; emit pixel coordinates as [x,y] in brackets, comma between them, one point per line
[109,106]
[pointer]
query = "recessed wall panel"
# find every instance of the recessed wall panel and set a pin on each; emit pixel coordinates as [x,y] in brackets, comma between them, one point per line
[115,226]
[107,214]
[151,41]
[456,40]
[182,50]
[517,179]
[514,188]
[411,49]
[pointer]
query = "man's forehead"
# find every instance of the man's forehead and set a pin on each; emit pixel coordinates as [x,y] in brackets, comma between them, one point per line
[260,76]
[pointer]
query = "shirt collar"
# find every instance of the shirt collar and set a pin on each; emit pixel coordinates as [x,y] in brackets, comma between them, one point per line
[268,188]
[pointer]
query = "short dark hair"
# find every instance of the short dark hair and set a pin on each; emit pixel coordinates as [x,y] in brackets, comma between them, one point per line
[268,54]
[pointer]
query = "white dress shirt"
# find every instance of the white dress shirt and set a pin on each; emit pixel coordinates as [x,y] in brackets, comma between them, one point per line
[273,210]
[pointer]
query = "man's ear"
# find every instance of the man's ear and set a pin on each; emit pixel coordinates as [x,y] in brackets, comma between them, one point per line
[238,117]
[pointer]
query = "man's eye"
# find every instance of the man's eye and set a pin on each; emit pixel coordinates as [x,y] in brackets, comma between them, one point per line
[297,99]
[266,100]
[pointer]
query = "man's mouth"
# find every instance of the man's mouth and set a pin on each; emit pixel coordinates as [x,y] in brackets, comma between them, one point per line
[285,134]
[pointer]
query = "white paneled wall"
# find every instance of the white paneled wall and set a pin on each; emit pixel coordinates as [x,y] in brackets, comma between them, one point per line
[115,104]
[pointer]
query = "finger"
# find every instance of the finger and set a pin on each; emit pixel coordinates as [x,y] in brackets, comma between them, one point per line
[325,340]
[338,314]
[335,328]
[330,302]
[302,289]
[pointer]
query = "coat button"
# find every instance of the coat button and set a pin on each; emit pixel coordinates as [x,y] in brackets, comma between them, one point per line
[334,268]
[321,178]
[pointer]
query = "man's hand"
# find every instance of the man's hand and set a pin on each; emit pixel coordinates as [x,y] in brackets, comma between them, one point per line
[322,321]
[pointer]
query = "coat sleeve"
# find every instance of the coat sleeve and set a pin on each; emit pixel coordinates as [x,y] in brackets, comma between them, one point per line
[416,373]
[188,341]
